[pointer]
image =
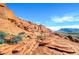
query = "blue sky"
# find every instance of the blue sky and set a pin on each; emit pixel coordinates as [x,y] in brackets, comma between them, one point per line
[52,15]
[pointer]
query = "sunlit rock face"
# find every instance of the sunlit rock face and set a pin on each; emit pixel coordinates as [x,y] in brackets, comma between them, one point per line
[5,12]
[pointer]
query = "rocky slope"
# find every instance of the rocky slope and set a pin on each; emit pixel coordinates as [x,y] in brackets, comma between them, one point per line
[35,39]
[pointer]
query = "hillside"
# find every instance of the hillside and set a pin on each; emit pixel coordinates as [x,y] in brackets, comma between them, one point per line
[19,37]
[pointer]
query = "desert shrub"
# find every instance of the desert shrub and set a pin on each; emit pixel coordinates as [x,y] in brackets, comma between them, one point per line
[2,41]
[15,39]
[39,37]
[3,35]
[8,41]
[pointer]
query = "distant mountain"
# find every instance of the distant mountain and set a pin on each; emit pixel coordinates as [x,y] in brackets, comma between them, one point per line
[74,32]
[69,30]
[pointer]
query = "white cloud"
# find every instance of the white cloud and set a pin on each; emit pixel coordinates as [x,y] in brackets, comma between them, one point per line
[59,27]
[65,19]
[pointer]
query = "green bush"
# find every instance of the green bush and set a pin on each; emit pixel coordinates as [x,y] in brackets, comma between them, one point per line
[14,40]
[2,41]
[3,35]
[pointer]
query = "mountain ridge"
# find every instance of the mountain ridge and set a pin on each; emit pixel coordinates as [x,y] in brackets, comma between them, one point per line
[68,30]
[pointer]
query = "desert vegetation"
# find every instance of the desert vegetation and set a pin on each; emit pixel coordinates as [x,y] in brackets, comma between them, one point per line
[15,38]
[2,36]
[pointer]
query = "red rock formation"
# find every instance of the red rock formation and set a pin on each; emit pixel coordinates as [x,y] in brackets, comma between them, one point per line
[37,38]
